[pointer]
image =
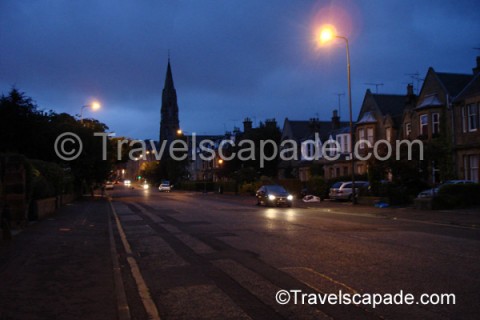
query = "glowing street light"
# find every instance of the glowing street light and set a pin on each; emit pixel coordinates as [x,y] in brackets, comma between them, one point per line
[94,106]
[325,35]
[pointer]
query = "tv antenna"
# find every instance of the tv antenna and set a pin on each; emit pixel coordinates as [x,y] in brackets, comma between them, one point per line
[339,95]
[374,84]
[415,76]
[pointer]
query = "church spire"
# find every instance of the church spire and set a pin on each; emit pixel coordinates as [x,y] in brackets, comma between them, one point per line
[169,78]
[169,123]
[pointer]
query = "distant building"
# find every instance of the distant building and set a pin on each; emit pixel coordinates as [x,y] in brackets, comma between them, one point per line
[380,118]
[301,132]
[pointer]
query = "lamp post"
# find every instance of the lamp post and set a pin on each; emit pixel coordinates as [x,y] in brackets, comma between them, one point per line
[326,35]
[94,106]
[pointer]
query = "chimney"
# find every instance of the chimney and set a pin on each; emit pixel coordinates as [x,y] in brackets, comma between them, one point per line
[335,120]
[411,97]
[247,125]
[477,68]
[410,90]
[271,123]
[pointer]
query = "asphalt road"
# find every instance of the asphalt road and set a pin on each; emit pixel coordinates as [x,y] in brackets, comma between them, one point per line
[195,256]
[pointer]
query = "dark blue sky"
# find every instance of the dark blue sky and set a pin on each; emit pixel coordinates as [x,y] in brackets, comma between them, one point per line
[230,59]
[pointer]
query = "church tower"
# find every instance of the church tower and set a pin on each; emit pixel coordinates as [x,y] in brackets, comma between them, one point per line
[169,123]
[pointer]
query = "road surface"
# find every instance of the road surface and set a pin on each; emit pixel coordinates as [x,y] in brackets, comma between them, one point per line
[195,256]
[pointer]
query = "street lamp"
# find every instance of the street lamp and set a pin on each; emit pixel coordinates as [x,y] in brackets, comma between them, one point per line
[327,34]
[94,106]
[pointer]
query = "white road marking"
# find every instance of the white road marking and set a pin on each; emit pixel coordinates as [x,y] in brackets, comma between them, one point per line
[142,287]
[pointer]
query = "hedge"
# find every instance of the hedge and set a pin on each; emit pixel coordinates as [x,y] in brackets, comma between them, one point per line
[457,196]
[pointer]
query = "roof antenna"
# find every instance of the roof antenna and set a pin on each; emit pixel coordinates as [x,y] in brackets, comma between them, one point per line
[374,84]
[415,76]
[339,95]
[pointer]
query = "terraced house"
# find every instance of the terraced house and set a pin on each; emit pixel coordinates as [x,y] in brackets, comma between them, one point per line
[432,121]
[466,128]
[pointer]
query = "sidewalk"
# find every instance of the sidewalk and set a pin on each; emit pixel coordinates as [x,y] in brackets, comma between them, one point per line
[469,217]
[60,268]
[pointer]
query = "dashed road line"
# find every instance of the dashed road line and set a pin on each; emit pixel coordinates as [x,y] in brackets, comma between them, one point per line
[143,291]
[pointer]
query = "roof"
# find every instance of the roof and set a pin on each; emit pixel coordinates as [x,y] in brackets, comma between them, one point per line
[429,101]
[454,83]
[305,129]
[367,117]
[392,104]
[472,89]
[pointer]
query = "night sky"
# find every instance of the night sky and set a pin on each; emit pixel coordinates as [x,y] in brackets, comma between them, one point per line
[230,59]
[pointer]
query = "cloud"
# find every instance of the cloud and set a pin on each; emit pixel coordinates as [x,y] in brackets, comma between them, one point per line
[230,59]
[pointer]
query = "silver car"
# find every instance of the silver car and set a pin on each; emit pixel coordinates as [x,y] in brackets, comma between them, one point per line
[342,190]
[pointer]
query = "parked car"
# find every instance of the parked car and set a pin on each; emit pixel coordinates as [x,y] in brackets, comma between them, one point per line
[432,192]
[109,185]
[273,195]
[165,187]
[342,190]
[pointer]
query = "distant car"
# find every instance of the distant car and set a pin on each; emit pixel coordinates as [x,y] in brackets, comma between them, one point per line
[274,195]
[165,187]
[109,185]
[432,192]
[342,190]
[127,182]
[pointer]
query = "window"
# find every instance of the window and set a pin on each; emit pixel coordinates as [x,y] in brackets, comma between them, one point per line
[424,124]
[346,144]
[370,135]
[474,161]
[408,129]
[361,136]
[472,113]
[388,134]
[340,143]
[360,169]
[435,123]
[471,164]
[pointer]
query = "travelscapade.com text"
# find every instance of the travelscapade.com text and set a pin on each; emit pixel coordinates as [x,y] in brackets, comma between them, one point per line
[296,297]
[68,146]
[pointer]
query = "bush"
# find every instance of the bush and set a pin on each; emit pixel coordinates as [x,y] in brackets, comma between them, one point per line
[48,179]
[292,185]
[250,188]
[318,187]
[457,196]
[397,194]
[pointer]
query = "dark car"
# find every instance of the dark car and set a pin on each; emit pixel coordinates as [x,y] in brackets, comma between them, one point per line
[274,195]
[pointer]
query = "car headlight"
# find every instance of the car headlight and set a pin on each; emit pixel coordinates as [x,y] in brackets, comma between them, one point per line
[145,186]
[271,197]
[290,197]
